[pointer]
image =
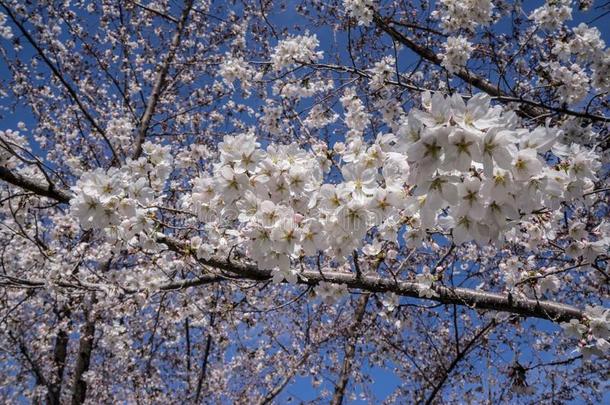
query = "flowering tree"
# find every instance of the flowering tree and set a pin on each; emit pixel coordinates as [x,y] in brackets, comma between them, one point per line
[217,202]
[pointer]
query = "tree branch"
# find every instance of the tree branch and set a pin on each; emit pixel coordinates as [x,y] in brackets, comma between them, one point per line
[39,188]
[530,107]
[60,352]
[473,299]
[278,388]
[459,357]
[160,81]
[79,390]
[350,351]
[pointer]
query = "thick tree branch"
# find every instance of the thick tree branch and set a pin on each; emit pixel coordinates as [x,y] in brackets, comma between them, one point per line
[83,359]
[156,12]
[267,399]
[45,190]
[206,356]
[160,81]
[60,353]
[474,299]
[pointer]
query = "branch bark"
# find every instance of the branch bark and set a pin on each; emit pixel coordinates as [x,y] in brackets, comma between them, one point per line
[85,348]
[350,352]
[280,387]
[160,81]
[60,352]
[34,186]
[474,299]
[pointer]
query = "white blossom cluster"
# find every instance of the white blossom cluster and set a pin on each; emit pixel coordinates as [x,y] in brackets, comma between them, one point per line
[586,43]
[464,168]
[330,293]
[297,89]
[381,72]
[361,10]
[118,200]
[601,72]
[5,31]
[320,117]
[589,49]
[456,52]
[356,117]
[593,332]
[121,130]
[464,14]
[552,14]
[299,48]
[572,81]
[235,68]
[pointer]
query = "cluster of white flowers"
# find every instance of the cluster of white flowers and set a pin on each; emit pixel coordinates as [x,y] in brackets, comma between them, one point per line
[302,88]
[236,68]
[271,120]
[361,10]
[320,117]
[593,331]
[572,81]
[552,14]
[330,293]
[601,72]
[589,49]
[463,168]
[456,52]
[356,117]
[118,200]
[381,72]
[586,43]
[300,48]
[5,31]
[120,130]
[425,280]
[464,14]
